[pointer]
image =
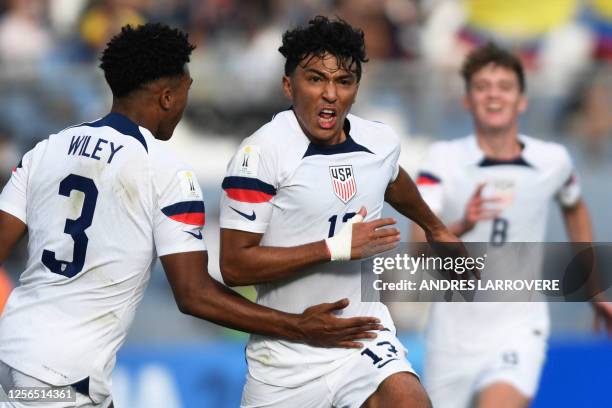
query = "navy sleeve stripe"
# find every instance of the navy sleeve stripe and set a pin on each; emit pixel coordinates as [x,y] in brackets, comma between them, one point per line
[183,208]
[428,176]
[248,183]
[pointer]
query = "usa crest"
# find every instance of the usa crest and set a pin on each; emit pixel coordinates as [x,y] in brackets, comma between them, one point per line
[343,182]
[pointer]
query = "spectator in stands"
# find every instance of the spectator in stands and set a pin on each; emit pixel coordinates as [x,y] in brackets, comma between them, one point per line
[102,18]
[553,46]
[24,38]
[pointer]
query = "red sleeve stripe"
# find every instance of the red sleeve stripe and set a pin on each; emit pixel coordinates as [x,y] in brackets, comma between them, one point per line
[18,166]
[247,196]
[570,180]
[197,219]
[248,190]
[187,212]
[427,179]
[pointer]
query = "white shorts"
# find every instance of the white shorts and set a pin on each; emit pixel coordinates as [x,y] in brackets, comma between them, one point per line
[349,386]
[454,379]
[11,379]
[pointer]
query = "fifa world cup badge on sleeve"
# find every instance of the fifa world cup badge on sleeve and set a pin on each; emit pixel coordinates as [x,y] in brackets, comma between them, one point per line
[189,185]
[247,161]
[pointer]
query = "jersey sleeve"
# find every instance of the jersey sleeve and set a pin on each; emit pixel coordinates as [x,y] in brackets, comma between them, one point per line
[249,187]
[179,214]
[568,193]
[393,159]
[13,199]
[390,146]
[430,180]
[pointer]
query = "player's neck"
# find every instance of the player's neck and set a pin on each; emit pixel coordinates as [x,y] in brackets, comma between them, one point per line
[137,113]
[334,140]
[500,146]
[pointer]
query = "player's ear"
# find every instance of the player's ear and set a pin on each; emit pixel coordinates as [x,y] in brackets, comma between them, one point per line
[287,87]
[166,98]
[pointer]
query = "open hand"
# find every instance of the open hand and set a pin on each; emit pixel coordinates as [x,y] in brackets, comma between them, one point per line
[476,209]
[321,327]
[372,237]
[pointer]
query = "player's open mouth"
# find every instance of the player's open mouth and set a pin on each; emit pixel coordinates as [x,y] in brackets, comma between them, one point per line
[327,118]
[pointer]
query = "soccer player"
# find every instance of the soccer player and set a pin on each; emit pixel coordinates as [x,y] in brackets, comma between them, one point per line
[301,196]
[495,186]
[100,201]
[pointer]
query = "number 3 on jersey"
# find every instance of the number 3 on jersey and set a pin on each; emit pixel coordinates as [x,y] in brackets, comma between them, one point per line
[75,228]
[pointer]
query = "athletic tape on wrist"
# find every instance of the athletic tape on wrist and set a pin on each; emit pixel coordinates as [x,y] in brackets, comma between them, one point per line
[340,245]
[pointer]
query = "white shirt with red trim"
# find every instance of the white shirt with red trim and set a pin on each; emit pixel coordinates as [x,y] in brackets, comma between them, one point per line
[294,192]
[101,200]
[526,186]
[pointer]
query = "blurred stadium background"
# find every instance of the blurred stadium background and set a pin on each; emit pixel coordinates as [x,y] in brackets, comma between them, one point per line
[49,79]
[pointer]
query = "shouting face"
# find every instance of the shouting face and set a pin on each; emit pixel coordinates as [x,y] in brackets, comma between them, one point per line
[322,91]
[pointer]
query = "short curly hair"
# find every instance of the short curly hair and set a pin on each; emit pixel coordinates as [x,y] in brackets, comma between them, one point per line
[137,56]
[491,53]
[320,36]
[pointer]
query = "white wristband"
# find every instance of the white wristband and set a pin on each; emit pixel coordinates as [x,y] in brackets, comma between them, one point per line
[340,245]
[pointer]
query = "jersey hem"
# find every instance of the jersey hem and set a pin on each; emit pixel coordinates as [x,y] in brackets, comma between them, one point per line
[34,371]
[276,382]
[240,226]
[180,250]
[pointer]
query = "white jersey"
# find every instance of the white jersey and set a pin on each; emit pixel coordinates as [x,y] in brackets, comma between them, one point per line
[526,187]
[295,192]
[101,200]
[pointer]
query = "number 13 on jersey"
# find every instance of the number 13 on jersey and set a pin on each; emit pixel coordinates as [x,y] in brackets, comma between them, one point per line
[334,218]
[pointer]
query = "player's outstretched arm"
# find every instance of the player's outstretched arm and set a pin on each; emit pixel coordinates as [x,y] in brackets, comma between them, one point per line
[475,211]
[578,222]
[11,231]
[580,229]
[403,195]
[245,262]
[199,295]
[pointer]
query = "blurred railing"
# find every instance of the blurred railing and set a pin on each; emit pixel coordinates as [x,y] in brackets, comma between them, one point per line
[234,99]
